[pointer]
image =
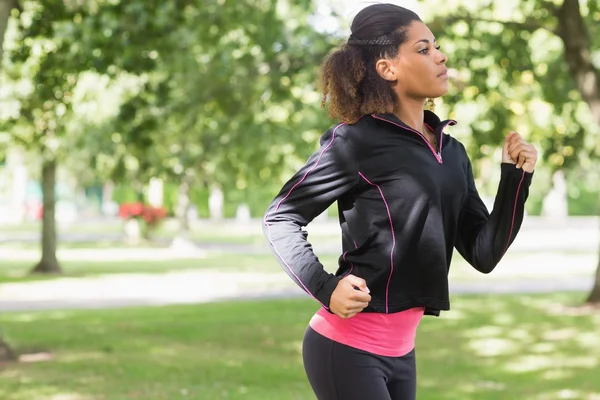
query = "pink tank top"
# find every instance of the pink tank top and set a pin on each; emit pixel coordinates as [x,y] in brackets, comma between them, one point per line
[391,335]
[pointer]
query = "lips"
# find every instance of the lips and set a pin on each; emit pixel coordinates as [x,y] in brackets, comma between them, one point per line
[444,73]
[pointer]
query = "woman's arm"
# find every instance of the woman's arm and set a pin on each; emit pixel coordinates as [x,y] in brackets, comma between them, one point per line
[329,173]
[484,238]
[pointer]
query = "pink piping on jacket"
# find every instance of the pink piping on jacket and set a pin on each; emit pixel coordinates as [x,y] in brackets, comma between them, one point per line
[288,195]
[512,224]
[387,207]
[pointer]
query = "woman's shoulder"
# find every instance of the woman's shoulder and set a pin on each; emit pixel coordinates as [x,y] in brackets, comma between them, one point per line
[351,132]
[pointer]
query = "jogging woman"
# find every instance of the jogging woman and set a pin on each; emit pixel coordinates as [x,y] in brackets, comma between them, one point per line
[406,198]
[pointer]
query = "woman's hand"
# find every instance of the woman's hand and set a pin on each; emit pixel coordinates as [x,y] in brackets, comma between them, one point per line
[350,297]
[517,151]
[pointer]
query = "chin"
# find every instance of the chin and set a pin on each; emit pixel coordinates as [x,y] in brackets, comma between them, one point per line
[440,92]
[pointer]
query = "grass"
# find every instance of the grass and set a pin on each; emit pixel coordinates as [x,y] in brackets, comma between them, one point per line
[82,228]
[161,240]
[91,264]
[488,347]
[225,232]
[96,244]
[18,271]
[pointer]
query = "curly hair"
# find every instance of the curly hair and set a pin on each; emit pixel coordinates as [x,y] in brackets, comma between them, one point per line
[348,75]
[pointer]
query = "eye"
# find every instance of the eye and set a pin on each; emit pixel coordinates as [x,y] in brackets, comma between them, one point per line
[426,50]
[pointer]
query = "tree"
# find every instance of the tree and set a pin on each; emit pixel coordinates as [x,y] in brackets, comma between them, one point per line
[537,62]
[199,107]
[6,7]
[59,42]
[221,99]
[43,61]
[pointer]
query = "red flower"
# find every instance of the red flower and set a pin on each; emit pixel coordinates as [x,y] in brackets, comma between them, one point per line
[151,215]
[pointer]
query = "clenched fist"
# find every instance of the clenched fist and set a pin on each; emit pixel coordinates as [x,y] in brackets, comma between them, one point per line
[517,151]
[350,297]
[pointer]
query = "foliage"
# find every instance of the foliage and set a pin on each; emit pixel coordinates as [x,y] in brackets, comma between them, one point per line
[511,72]
[224,105]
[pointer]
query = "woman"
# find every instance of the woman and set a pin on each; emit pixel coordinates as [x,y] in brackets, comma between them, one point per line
[406,198]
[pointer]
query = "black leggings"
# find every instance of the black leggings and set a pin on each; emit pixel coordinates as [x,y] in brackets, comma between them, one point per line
[339,372]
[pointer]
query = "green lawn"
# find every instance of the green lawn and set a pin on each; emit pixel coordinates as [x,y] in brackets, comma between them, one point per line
[489,347]
[18,271]
[36,226]
[158,240]
[208,232]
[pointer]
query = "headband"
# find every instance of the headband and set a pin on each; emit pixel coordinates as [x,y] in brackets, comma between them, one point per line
[380,41]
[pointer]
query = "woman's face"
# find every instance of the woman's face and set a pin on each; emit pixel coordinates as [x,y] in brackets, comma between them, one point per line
[419,70]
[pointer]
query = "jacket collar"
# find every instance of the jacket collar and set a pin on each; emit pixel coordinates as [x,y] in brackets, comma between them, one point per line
[430,118]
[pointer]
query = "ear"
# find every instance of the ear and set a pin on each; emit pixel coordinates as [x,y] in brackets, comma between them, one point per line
[387,70]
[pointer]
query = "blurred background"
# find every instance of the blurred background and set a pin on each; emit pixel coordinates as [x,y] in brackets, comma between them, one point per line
[142,140]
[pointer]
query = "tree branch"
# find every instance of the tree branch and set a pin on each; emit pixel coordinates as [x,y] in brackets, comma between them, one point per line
[529,25]
[549,6]
[575,37]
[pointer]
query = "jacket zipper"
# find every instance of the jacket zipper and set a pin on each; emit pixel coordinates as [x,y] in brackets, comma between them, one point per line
[437,154]
[440,141]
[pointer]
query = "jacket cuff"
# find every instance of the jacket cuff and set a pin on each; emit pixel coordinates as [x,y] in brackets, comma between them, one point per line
[511,170]
[324,294]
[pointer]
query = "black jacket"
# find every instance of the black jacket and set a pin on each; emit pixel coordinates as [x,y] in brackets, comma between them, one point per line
[403,207]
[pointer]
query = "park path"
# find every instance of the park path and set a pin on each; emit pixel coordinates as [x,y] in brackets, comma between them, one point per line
[201,286]
[548,255]
[538,234]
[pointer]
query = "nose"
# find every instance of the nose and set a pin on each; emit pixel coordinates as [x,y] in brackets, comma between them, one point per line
[442,57]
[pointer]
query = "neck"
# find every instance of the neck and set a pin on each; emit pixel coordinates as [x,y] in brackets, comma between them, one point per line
[410,111]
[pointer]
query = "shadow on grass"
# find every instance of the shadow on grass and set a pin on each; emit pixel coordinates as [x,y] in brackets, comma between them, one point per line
[513,347]
[489,347]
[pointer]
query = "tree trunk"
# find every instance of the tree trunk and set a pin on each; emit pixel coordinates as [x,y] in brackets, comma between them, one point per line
[49,263]
[572,31]
[594,296]
[215,202]
[183,206]
[6,352]
[6,6]
[182,240]
[578,54]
